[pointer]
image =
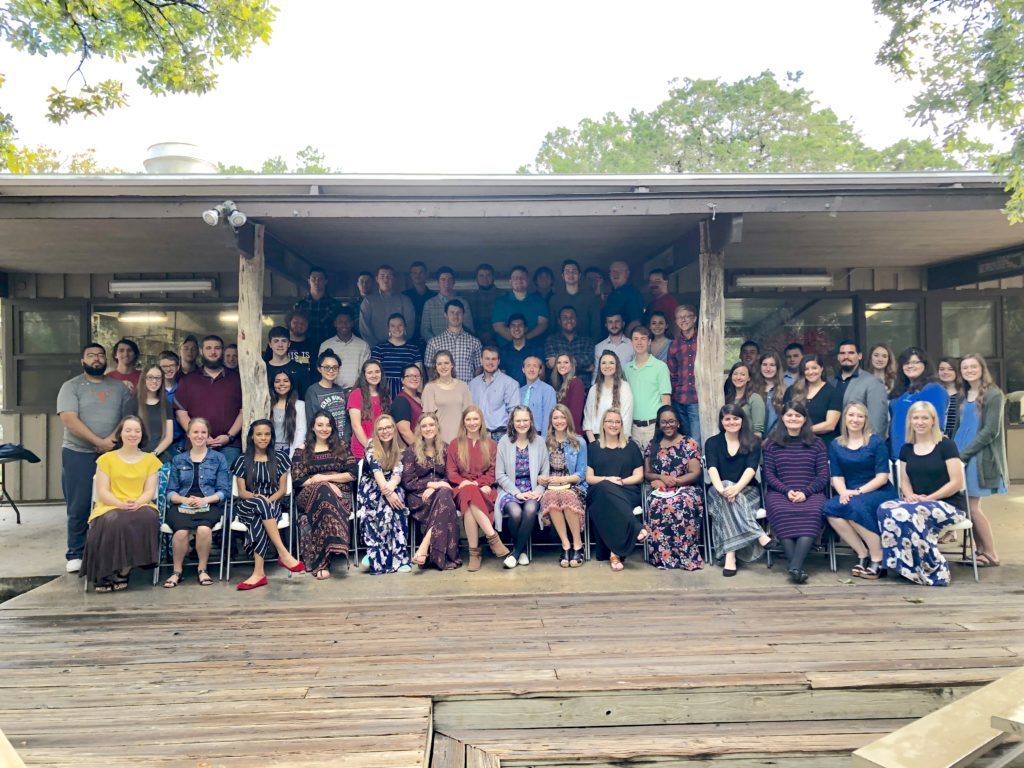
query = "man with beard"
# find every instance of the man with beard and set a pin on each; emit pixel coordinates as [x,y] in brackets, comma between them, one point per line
[90,407]
[215,393]
[858,386]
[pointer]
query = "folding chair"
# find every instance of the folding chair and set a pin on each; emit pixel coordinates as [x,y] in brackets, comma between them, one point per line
[284,522]
[165,558]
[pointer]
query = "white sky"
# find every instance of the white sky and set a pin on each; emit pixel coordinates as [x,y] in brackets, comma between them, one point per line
[471,87]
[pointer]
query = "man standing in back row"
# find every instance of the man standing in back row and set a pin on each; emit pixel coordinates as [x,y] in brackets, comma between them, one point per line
[375,309]
[90,407]
[319,308]
[649,380]
[215,393]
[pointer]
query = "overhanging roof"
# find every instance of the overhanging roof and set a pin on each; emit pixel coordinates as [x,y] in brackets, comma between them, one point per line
[346,222]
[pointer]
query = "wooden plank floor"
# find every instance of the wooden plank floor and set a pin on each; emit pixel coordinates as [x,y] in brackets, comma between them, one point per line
[326,679]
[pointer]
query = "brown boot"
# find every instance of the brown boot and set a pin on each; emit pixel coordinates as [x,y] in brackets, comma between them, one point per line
[496,545]
[474,559]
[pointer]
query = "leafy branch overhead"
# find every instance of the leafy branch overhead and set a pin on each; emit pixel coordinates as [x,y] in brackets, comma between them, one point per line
[176,46]
[754,125]
[968,58]
[309,160]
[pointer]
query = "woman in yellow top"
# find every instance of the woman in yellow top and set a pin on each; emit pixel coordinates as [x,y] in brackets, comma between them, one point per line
[124,527]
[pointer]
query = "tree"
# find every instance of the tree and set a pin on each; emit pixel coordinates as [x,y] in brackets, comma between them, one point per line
[968,56]
[182,43]
[46,160]
[308,160]
[755,125]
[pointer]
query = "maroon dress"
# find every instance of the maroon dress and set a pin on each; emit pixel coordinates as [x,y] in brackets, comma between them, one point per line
[575,398]
[436,514]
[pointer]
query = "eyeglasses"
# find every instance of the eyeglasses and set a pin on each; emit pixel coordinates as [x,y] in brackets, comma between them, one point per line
[154,378]
[669,423]
[330,368]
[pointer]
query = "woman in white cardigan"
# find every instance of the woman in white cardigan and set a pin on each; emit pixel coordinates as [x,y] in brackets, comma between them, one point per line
[610,390]
[522,458]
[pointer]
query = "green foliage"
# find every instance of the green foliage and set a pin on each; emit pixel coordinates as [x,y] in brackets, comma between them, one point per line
[274,164]
[42,159]
[308,160]
[181,44]
[755,125]
[968,57]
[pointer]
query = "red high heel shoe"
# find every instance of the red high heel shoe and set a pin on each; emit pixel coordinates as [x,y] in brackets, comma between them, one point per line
[242,586]
[297,568]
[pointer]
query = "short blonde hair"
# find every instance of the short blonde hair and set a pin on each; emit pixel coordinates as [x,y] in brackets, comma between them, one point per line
[928,408]
[623,436]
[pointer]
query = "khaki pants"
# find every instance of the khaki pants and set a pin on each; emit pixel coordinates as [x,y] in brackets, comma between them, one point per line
[642,435]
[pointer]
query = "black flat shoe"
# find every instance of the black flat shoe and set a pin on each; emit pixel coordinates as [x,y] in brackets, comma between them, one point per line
[728,572]
[797,576]
[566,558]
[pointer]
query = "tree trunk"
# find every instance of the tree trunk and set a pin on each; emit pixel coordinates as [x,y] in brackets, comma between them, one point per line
[251,368]
[710,361]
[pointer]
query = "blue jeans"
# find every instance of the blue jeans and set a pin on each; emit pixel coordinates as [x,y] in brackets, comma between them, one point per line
[77,469]
[689,420]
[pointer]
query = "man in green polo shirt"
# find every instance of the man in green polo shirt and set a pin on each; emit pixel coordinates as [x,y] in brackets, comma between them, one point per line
[652,388]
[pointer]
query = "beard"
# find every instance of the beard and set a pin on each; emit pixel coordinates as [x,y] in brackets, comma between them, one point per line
[213,365]
[94,370]
[848,367]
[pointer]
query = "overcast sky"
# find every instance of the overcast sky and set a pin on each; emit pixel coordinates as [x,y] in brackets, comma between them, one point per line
[471,87]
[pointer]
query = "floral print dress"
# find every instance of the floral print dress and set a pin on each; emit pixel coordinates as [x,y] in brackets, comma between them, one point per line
[385,530]
[676,514]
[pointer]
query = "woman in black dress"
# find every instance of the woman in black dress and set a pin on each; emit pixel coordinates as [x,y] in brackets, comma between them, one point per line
[824,403]
[615,471]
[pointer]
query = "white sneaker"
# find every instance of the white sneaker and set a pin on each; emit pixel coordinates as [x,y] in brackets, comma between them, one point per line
[510,561]
[523,559]
[74,566]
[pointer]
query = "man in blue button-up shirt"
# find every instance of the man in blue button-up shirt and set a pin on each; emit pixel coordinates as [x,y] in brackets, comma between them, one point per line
[537,395]
[494,392]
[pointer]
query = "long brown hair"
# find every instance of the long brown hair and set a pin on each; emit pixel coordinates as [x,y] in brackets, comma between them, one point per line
[778,384]
[616,380]
[983,386]
[800,386]
[436,445]
[487,445]
[290,415]
[335,444]
[562,385]
[570,432]
[383,390]
[142,394]
[512,434]
[889,372]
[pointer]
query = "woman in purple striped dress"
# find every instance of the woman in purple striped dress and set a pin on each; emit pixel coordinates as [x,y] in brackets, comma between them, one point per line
[795,477]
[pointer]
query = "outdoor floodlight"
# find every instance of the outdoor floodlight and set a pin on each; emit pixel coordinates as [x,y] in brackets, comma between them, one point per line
[211,217]
[226,209]
[236,219]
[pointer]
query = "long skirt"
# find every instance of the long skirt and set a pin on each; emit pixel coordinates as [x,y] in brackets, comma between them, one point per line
[252,513]
[610,507]
[790,520]
[385,533]
[863,509]
[675,525]
[119,540]
[438,516]
[910,539]
[734,527]
[471,494]
[324,512]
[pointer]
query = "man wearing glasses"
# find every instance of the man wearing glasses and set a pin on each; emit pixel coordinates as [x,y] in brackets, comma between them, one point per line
[682,356]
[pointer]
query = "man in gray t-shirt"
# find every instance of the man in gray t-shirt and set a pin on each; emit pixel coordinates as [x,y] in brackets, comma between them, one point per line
[90,407]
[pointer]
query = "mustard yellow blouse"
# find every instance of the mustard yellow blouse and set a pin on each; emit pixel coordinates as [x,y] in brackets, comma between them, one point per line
[127,480]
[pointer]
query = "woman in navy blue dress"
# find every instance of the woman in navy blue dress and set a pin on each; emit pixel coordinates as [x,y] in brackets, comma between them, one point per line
[859,460]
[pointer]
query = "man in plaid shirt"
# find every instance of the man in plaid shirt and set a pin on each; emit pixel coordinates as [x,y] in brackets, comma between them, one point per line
[682,355]
[320,307]
[566,341]
[465,348]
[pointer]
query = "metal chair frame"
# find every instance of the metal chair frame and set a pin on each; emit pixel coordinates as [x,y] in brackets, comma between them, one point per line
[411,523]
[284,522]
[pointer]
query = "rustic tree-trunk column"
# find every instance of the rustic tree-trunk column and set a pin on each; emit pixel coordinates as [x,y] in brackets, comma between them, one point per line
[710,361]
[251,368]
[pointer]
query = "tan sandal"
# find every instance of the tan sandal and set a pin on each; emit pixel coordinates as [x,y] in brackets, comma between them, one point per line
[616,563]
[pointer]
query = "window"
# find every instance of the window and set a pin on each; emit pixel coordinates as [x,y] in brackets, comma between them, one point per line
[969,327]
[894,323]
[817,324]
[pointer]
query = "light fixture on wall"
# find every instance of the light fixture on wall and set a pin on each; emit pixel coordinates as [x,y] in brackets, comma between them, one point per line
[232,317]
[160,286]
[141,317]
[226,209]
[784,281]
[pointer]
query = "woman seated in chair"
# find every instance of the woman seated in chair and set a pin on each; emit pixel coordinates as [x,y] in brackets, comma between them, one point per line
[931,500]
[522,461]
[197,486]
[470,466]
[734,498]
[261,474]
[675,502]
[124,527]
[429,496]
[615,471]
[564,503]
[380,501]
[322,471]
[795,477]
[860,476]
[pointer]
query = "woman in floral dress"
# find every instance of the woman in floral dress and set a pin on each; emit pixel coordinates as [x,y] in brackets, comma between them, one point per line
[380,502]
[563,504]
[672,467]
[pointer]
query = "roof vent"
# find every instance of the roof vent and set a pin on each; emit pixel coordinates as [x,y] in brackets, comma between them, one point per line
[171,157]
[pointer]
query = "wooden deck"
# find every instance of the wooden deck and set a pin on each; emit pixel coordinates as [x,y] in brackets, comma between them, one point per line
[801,676]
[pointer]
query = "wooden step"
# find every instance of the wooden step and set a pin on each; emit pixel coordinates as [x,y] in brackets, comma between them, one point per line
[955,735]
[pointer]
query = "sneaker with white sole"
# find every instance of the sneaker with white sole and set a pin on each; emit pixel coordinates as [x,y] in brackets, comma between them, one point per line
[524,559]
[74,566]
[510,561]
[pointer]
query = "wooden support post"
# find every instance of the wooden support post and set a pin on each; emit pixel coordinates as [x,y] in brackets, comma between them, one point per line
[710,362]
[251,368]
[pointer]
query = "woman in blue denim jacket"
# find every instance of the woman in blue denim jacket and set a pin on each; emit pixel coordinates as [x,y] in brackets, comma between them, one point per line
[196,489]
[563,504]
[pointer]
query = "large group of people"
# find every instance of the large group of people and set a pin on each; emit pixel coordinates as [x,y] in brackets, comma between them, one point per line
[421,413]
